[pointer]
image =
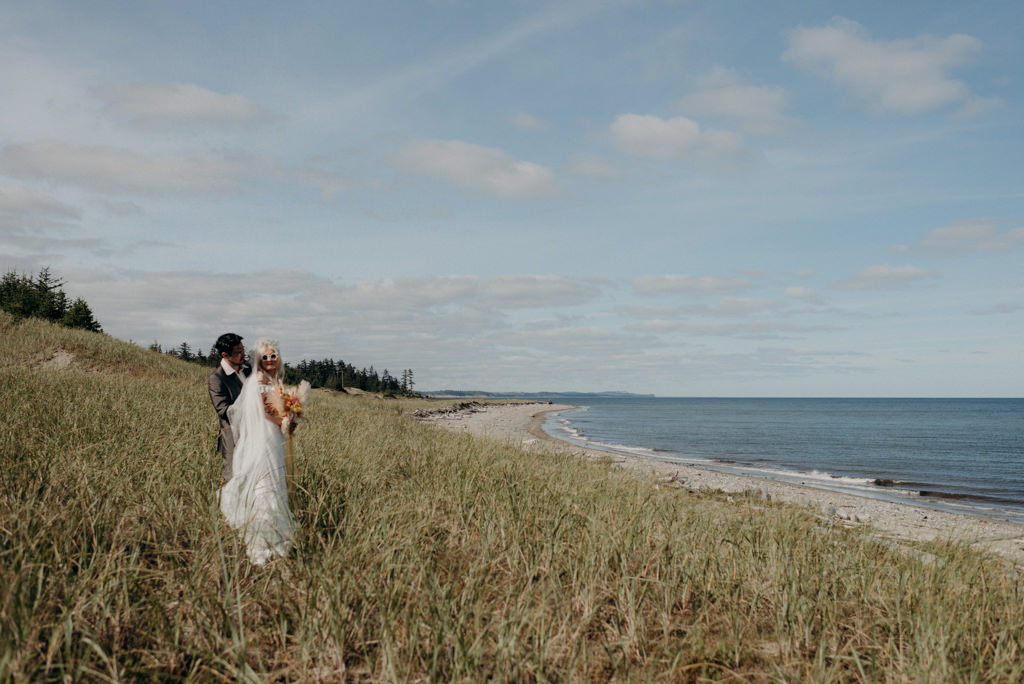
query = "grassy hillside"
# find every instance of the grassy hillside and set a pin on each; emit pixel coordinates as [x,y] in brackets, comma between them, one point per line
[427,555]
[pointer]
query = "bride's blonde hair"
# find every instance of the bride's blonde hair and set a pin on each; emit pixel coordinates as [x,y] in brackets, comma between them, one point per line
[257,350]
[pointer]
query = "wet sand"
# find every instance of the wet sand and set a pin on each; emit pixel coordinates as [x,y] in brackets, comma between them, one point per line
[522,424]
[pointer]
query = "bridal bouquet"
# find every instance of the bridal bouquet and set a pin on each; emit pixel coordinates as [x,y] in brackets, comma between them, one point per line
[288,401]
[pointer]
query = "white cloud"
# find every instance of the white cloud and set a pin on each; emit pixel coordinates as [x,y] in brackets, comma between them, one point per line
[524,291]
[124,208]
[116,170]
[742,306]
[884,277]
[427,304]
[406,293]
[976,106]
[685,284]
[634,311]
[591,167]
[682,317]
[501,292]
[577,341]
[18,203]
[756,109]
[170,104]
[436,323]
[974,236]
[798,292]
[113,170]
[651,136]
[745,330]
[528,122]
[904,76]
[726,306]
[474,167]
[38,223]
[42,246]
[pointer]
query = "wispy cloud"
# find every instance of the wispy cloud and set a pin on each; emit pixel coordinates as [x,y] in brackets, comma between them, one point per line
[527,122]
[885,277]
[686,284]
[593,341]
[431,321]
[109,169]
[299,293]
[907,76]
[645,135]
[177,104]
[742,306]
[474,167]
[755,109]
[806,294]
[500,292]
[34,222]
[528,291]
[432,72]
[18,203]
[758,329]
[116,170]
[973,236]
[999,310]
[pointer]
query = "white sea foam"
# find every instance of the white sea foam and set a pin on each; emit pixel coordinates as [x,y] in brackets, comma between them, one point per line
[806,428]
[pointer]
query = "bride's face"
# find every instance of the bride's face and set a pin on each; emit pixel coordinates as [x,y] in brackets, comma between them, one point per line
[269,361]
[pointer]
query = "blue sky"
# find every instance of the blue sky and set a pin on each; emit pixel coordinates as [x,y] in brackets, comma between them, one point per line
[685,198]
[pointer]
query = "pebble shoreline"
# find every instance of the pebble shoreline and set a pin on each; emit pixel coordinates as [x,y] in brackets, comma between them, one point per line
[521,423]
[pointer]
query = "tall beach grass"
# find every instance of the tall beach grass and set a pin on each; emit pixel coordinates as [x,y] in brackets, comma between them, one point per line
[427,555]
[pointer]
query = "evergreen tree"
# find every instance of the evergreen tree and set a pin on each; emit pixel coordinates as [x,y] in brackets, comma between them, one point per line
[18,295]
[43,297]
[51,302]
[79,315]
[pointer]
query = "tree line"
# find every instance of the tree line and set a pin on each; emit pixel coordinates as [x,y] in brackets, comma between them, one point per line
[326,373]
[337,375]
[333,374]
[43,296]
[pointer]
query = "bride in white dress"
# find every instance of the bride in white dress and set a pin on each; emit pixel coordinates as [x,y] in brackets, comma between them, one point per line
[255,499]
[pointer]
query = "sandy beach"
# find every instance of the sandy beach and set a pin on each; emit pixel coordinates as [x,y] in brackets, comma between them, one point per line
[521,424]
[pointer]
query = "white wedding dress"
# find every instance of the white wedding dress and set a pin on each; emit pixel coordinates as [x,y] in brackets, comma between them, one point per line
[255,499]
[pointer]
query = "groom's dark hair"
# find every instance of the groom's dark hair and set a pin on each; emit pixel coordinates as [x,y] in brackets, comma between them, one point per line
[227,342]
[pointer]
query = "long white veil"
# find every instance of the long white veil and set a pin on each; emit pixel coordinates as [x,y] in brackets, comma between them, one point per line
[246,414]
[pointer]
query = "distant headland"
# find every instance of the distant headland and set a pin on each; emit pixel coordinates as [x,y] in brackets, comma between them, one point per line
[443,394]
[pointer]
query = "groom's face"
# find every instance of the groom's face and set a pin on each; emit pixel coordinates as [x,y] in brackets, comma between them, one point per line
[236,357]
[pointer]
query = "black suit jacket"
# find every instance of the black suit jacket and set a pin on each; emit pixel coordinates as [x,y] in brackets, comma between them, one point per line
[224,389]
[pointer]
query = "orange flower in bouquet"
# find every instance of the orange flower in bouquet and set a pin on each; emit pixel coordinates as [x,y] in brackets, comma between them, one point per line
[288,403]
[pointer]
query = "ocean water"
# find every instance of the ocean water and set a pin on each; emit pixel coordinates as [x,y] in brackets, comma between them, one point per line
[965,455]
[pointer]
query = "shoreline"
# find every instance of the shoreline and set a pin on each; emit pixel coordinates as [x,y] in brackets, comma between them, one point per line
[523,424]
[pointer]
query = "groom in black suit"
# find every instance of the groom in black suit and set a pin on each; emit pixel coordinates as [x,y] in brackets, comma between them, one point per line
[225,385]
